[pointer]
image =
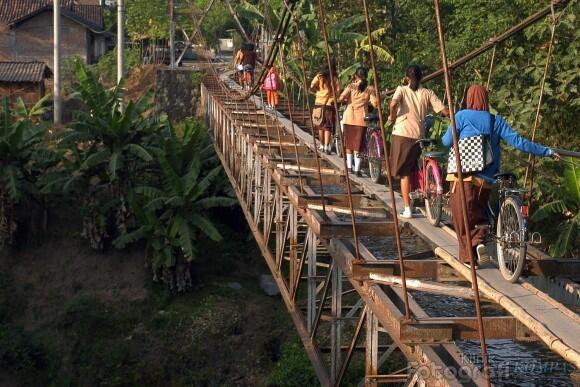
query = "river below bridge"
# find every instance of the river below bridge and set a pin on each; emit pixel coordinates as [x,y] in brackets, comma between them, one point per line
[527,364]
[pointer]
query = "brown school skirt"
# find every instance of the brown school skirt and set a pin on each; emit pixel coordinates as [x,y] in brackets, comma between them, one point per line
[328,119]
[353,136]
[404,154]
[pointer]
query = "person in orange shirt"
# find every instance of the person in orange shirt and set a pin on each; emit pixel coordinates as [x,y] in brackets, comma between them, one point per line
[238,65]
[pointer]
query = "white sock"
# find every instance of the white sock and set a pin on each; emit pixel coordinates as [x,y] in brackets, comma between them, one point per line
[408,209]
[349,160]
[357,161]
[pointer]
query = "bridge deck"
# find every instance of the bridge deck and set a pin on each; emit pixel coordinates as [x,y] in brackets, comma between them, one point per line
[266,138]
[555,324]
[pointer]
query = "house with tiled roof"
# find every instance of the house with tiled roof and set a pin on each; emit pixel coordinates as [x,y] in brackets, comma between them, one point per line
[26,30]
[24,80]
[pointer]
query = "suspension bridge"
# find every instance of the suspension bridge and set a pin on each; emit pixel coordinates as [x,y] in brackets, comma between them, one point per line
[333,244]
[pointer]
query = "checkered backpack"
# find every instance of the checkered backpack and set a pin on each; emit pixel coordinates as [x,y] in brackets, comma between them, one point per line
[475,152]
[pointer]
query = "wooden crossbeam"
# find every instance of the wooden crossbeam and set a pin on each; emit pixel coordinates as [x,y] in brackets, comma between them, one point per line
[465,328]
[415,267]
[425,286]
[325,227]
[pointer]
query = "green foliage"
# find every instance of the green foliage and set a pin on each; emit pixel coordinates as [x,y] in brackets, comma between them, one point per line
[20,134]
[147,19]
[106,69]
[172,212]
[294,368]
[108,144]
[564,211]
[19,351]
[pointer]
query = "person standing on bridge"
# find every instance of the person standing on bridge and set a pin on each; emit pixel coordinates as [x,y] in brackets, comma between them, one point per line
[271,85]
[239,65]
[358,95]
[249,62]
[324,104]
[409,106]
[474,121]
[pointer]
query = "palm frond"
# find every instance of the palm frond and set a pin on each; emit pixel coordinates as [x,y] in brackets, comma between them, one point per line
[205,226]
[213,202]
[551,208]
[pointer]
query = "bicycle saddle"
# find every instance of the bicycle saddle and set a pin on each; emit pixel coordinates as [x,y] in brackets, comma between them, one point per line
[427,141]
[505,176]
[435,154]
[371,117]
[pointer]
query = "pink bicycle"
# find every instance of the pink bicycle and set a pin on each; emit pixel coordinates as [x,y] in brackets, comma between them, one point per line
[428,181]
[373,147]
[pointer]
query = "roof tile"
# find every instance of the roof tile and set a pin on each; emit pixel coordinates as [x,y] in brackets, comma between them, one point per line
[14,11]
[23,71]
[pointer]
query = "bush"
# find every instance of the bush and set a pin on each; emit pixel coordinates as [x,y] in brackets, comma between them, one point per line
[19,351]
[106,68]
[294,368]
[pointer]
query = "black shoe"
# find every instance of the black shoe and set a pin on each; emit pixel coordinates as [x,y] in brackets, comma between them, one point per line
[358,173]
[328,152]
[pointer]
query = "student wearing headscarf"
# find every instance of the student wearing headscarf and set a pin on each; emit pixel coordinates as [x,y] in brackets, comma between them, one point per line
[474,121]
[408,108]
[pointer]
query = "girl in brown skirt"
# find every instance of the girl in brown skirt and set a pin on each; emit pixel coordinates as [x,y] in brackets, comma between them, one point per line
[409,106]
[324,99]
[358,95]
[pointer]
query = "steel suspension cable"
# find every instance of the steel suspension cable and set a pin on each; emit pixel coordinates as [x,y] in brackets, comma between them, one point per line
[491,63]
[496,40]
[280,34]
[342,144]
[387,164]
[531,158]
[308,107]
[277,124]
[462,196]
[283,67]
[266,126]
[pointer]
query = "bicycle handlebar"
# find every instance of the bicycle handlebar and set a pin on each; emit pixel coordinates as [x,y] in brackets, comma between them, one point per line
[564,152]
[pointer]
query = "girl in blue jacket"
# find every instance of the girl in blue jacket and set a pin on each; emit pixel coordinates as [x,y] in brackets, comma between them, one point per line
[473,121]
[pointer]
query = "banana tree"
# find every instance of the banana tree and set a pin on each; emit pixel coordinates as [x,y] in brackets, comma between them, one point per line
[20,134]
[107,148]
[565,211]
[172,211]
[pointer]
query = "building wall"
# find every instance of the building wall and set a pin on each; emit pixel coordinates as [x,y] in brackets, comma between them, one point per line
[29,92]
[32,40]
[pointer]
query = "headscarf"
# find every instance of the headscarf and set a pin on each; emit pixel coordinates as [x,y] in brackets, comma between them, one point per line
[477,98]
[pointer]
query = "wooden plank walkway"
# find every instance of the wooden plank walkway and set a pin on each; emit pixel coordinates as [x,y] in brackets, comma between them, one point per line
[557,326]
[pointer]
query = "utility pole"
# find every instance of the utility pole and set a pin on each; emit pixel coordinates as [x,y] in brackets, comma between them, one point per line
[120,39]
[172,33]
[56,61]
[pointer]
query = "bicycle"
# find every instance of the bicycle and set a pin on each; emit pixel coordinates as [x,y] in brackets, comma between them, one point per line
[372,151]
[509,229]
[248,77]
[429,181]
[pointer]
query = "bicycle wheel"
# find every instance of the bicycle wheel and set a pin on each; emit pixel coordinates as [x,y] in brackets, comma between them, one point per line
[337,145]
[511,249]
[374,156]
[433,200]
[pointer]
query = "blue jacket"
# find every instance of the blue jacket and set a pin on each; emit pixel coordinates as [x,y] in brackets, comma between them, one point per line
[475,122]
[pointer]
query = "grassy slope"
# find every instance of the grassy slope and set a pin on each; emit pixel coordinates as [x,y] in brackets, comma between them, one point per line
[70,316]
